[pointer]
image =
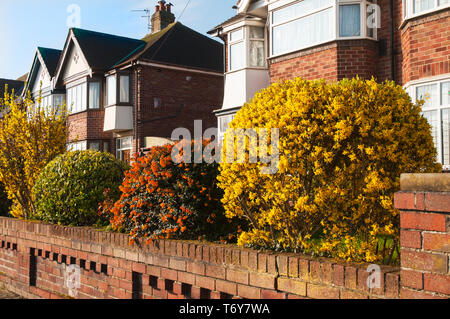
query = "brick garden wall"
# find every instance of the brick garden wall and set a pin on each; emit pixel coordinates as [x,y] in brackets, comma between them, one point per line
[424,203]
[34,257]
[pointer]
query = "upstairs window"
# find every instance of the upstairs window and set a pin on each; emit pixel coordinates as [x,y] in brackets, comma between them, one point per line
[111,90]
[94,95]
[237,50]
[350,20]
[117,89]
[312,22]
[413,8]
[247,48]
[76,98]
[124,87]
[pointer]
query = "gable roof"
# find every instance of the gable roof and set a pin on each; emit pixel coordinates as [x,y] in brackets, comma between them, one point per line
[15,85]
[181,46]
[102,51]
[48,59]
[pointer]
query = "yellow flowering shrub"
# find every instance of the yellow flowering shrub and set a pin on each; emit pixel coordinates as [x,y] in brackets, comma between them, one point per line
[342,148]
[30,137]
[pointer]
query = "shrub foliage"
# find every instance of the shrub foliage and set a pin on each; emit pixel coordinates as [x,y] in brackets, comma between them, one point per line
[30,137]
[342,148]
[70,188]
[162,199]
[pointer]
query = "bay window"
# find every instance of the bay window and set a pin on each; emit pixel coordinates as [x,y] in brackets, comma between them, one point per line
[124,88]
[437,111]
[237,50]
[117,89]
[246,47]
[350,20]
[311,22]
[111,90]
[413,8]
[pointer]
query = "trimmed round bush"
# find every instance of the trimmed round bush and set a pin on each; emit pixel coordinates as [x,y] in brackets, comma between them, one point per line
[342,149]
[71,187]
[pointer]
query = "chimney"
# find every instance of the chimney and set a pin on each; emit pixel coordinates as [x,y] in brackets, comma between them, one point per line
[162,16]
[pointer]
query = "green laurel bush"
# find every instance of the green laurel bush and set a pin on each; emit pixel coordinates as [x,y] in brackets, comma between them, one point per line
[71,187]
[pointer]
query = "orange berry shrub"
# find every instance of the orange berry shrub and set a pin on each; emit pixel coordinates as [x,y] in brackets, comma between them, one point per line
[162,200]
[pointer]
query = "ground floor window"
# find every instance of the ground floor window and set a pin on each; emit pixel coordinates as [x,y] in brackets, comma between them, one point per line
[123,148]
[437,111]
[101,146]
[77,146]
[224,122]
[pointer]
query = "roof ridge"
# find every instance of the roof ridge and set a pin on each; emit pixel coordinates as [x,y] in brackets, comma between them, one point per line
[104,33]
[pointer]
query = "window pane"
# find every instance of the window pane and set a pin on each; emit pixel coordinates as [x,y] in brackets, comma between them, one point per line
[442,2]
[315,28]
[299,9]
[94,95]
[257,53]
[78,99]
[422,5]
[446,136]
[111,89]
[124,88]
[445,93]
[427,93]
[350,20]
[256,33]
[237,35]
[432,117]
[237,56]
[95,146]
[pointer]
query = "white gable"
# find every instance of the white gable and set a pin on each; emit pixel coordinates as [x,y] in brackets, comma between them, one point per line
[43,77]
[74,63]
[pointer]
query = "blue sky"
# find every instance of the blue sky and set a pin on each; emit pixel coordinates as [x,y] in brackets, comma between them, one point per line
[26,24]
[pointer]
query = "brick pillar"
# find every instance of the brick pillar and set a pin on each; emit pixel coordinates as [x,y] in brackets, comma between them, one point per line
[424,204]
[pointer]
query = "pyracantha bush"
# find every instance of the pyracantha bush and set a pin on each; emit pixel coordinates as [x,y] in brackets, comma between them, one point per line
[71,187]
[163,199]
[342,149]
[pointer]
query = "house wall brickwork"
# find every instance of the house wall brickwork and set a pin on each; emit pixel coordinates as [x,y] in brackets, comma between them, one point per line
[185,97]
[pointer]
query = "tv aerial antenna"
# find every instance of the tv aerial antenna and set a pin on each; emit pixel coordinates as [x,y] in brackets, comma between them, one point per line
[148,16]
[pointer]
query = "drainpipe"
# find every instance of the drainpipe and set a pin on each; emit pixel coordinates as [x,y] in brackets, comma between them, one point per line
[392,41]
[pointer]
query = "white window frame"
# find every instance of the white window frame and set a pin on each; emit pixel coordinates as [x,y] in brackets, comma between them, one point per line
[336,23]
[119,150]
[412,90]
[246,41]
[77,146]
[408,9]
[84,104]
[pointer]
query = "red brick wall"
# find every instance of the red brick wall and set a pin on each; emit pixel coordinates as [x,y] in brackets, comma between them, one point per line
[425,46]
[33,259]
[425,242]
[182,101]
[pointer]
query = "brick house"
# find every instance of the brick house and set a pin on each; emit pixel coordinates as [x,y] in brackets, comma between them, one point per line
[407,41]
[127,94]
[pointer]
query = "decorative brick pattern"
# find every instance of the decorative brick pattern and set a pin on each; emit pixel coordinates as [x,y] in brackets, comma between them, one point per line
[34,258]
